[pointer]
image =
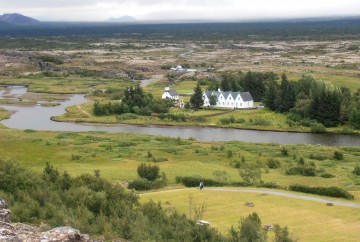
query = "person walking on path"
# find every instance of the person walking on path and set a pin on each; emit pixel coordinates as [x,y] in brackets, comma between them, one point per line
[201,185]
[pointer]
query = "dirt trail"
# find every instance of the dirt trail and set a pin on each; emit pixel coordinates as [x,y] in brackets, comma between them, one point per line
[83,111]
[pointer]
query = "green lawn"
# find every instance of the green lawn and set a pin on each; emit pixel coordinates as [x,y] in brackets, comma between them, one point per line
[306,220]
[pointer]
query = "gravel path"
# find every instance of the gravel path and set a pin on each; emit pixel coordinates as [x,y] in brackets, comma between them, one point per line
[285,194]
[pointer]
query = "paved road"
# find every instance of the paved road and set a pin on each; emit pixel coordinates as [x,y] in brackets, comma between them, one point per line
[285,194]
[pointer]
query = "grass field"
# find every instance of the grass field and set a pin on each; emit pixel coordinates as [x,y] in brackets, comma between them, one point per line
[306,220]
[117,155]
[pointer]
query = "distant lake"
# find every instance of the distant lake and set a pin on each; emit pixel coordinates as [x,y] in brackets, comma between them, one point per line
[38,118]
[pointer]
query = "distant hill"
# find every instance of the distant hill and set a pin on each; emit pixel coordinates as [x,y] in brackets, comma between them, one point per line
[4,24]
[122,19]
[18,19]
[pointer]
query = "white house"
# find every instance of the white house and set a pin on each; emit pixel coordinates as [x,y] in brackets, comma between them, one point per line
[229,99]
[181,69]
[170,94]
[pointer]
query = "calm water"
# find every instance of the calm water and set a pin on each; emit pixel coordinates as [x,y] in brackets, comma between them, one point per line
[38,118]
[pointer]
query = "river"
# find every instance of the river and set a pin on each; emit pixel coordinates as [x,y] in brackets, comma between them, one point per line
[38,118]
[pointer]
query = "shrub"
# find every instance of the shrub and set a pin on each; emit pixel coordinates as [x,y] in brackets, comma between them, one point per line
[284,151]
[338,155]
[148,172]
[324,191]
[262,122]
[273,164]
[295,170]
[327,175]
[317,157]
[356,170]
[140,184]
[192,181]
[317,128]
[268,184]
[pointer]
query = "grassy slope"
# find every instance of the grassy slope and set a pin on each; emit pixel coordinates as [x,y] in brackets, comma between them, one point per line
[118,154]
[307,220]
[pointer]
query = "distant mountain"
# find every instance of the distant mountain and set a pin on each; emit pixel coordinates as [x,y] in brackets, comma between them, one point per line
[4,24]
[122,19]
[18,19]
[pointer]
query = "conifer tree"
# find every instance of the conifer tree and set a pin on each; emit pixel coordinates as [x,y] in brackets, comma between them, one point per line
[196,99]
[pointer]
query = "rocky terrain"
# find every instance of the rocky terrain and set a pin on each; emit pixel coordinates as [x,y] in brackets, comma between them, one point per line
[15,232]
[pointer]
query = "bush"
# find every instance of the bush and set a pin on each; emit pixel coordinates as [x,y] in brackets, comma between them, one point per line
[356,170]
[268,184]
[327,175]
[338,155]
[273,164]
[324,191]
[140,184]
[192,181]
[262,122]
[317,157]
[317,128]
[148,172]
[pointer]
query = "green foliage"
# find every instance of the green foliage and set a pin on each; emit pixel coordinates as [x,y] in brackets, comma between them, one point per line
[338,155]
[281,234]
[250,229]
[148,172]
[196,100]
[173,117]
[317,128]
[305,169]
[134,101]
[324,191]
[355,118]
[286,99]
[356,170]
[193,181]
[250,175]
[213,100]
[94,206]
[327,175]
[273,164]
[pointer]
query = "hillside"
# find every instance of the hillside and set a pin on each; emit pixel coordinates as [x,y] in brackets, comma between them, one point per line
[4,24]
[18,19]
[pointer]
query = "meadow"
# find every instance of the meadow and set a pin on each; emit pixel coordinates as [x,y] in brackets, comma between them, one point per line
[306,220]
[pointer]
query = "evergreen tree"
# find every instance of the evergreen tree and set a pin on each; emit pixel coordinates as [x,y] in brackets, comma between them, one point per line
[325,108]
[270,95]
[196,99]
[286,98]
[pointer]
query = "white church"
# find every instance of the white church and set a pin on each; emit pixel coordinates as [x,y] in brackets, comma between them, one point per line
[236,100]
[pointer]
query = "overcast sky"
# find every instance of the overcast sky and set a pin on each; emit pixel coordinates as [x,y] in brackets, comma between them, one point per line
[99,10]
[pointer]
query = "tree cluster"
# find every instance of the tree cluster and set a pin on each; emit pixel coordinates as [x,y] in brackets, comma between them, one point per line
[94,206]
[253,82]
[133,100]
[310,100]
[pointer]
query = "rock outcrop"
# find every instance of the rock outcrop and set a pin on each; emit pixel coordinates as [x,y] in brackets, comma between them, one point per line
[18,232]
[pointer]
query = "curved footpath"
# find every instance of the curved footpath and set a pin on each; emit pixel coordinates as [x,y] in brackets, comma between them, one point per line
[285,194]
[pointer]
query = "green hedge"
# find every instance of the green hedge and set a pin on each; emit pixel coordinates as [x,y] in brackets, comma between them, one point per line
[325,191]
[192,181]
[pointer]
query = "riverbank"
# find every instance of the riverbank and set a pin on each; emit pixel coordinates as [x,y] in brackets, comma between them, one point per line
[256,119]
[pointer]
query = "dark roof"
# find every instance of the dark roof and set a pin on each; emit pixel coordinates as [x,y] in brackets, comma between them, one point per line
[211,93]
[173,93]
[246,96]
